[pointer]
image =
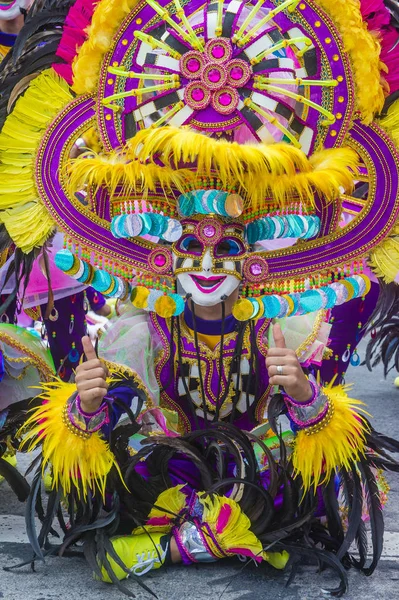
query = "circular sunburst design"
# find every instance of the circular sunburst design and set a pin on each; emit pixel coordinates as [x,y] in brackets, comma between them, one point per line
[286,62]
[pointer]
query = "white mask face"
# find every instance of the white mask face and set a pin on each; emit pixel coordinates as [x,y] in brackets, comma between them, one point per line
[11,10]
[208,259]
[206,287]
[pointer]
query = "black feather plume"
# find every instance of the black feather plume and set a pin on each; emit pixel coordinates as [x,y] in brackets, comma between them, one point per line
[375,512]
[15,480]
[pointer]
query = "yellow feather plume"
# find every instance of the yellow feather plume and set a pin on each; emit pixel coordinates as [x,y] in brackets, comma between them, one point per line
[364,52]
[107,18]
[83,462]
[256,171]
[21,210]
[340,443]
[123,177]
[390,122]
[384,258]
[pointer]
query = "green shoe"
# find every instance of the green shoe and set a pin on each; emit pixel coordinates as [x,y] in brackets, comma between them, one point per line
[139,553]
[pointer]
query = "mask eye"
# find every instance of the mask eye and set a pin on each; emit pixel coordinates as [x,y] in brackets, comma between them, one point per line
[228,248]
[191,245]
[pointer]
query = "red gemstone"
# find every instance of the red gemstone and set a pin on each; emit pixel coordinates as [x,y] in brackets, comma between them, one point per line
[160,260]
[197,94]
[236,73]
[193,65]
[214,75]
[225,99]
[218,51]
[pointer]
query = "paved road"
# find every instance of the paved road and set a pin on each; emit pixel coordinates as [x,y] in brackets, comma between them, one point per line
[69,578]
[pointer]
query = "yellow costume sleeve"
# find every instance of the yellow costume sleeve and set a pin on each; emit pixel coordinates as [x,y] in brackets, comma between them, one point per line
[78,458]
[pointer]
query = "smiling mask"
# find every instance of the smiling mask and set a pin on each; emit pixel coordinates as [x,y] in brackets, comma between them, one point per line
[208,259]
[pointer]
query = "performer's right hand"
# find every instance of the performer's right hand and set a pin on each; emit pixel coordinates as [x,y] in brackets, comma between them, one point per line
[91,379]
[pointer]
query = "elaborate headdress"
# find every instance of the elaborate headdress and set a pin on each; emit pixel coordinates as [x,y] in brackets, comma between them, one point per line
[268,114]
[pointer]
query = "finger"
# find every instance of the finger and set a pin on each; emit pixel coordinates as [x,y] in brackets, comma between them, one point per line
[85,386]
[88,349]
[94,363]
[280,352]
[288,370]
[281,360]
[278,336]
[98,372]
[284,380]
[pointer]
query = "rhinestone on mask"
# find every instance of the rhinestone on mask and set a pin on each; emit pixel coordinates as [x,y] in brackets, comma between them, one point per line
[214,77]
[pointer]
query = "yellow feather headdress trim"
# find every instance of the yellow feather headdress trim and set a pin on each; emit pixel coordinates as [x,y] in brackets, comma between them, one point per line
[256,171]
[83,462]
[340,443]
[390,122]
[384,258]
[106,21]
[26,219]
[364,53]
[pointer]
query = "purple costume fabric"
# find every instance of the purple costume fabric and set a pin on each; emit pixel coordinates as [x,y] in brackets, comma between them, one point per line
[345,332]
[66,332]
[253,381]
[7,39]
[95,299]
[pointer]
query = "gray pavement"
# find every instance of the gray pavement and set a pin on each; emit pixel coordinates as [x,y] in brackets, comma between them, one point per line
[70,579]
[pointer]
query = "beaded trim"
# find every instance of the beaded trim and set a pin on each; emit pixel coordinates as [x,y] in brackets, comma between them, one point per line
[323,423]
[28,356]
[311,415]
[93,421]
[72,428]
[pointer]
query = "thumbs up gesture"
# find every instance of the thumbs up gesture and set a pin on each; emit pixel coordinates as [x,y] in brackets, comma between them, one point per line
[91,379]
[285,370]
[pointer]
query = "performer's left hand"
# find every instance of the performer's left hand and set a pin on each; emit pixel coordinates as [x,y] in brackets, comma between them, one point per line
[292,378]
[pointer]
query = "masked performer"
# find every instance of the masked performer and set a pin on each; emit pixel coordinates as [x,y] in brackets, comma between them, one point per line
[235,123]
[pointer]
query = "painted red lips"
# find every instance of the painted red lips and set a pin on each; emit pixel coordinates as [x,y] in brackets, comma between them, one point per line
[207,285]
